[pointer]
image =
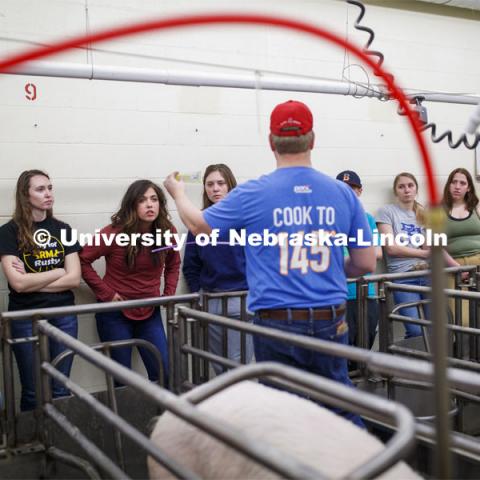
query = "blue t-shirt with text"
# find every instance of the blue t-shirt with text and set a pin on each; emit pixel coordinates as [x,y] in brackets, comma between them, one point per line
[288,201]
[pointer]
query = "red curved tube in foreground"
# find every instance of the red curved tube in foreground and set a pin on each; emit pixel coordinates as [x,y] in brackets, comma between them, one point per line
[231,18]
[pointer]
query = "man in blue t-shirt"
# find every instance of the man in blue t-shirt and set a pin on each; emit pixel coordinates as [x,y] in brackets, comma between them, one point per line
[352,179]
[297,285]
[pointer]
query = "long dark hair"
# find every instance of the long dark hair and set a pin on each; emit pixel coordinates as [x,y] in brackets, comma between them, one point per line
[22,215]
[470,199]
[227,175]
[417,207]
[127,221]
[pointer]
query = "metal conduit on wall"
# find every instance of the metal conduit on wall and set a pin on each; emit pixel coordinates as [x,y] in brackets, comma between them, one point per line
[253,80]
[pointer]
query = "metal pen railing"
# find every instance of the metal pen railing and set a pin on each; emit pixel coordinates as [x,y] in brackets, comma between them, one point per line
[35,314]
[396,449]
[457,355]
[106,348]
[377,362]
[191,327]
[456,329]
[379,280]
[200,333]
[119,372]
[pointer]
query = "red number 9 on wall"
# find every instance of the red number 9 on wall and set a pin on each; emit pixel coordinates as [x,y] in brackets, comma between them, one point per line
[30,91]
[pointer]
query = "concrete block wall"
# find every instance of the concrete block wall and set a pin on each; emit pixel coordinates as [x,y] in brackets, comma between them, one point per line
[96,137]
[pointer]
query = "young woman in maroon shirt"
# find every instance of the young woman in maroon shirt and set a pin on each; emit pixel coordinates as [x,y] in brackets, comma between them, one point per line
[134,272]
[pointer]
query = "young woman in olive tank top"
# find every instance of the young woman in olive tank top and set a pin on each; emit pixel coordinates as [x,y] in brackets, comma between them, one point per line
[463,223]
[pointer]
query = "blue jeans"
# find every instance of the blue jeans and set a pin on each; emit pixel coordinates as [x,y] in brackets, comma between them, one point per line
[412,330]
[215,334]
[113,326]
[24,354]
[334,368]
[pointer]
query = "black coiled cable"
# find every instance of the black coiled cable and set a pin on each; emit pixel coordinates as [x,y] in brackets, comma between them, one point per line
[371,34]
[463,140]
[448,134]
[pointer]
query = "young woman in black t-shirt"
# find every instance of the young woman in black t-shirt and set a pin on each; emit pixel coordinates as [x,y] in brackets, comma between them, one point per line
[41,270]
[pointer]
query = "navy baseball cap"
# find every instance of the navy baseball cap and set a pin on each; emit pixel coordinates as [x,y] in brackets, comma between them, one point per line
[350,177]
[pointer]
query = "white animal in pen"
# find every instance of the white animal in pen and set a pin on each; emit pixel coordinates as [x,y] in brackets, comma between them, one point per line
[298,427]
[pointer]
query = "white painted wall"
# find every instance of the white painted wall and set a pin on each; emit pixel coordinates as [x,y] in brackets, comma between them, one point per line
[95,137]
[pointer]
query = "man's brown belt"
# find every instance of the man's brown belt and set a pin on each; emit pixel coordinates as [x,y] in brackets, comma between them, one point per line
[302,313]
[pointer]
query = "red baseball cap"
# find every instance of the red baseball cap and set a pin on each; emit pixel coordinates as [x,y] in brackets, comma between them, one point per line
[291,119]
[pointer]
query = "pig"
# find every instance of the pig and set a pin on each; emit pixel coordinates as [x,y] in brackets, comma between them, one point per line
[302,429]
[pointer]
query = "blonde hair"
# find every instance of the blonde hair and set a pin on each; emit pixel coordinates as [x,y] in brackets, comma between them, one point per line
[418,208]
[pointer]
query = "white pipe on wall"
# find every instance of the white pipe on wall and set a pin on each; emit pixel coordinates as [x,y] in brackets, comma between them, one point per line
[258,80]
[193,78]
